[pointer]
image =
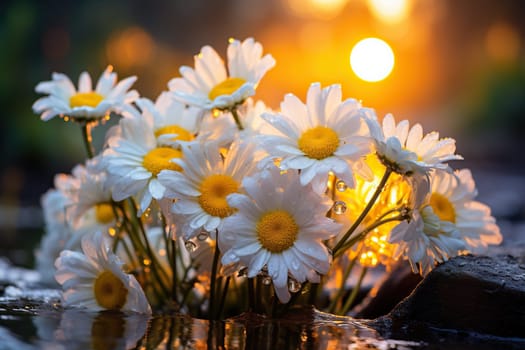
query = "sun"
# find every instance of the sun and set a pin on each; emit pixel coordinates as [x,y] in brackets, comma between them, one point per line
[372,59]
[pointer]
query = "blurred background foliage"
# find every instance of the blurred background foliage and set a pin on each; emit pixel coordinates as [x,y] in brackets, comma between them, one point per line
[459,69]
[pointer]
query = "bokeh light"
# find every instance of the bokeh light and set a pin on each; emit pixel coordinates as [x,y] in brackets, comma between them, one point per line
[502,42]
[390,11]
[372,59]
[325,9]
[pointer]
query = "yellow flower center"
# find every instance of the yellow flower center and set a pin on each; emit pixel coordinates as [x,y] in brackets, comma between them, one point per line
[104,213]
[159,159]
[82,99]
[182,134]
[110,292]
[442,207]
[277,231]
[226,87]
[319,142]
[214,189]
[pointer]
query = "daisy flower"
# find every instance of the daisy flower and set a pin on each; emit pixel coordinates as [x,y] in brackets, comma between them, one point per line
[281,225]
[406,150]
[445,223]
[133,161]
[172,121]
[209,86]
[94,279]
[425,240]
[452,199]
[90,201]
[322,136]
[204,183]
[84,103]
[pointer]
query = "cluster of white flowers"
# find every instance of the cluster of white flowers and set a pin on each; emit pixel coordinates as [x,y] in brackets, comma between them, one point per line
[206,185]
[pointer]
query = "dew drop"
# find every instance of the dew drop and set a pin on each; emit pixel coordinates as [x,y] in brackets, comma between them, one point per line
[293,285]
[190,246]
[203,235]
[339,207]
[341,186]
[266,280]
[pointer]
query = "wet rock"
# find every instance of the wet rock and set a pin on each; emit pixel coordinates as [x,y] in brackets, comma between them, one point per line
[388,292]
[470,293]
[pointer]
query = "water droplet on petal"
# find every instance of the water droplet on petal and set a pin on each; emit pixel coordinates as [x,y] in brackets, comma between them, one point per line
[339,207]
[203,235]
[190,246]
[266,280]
[341,186]
[293,285]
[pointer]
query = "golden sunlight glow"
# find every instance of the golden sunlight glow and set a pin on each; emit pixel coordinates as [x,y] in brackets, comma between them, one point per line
[390,11]
[502,43]
[130,48]
[372,59]
[317,8]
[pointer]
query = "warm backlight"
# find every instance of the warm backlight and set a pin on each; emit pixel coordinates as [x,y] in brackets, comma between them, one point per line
[372,59]
[390,11]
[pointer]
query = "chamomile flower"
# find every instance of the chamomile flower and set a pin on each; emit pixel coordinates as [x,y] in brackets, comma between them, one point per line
[209,86]
[425,240]
[452,199]
[444,223]
[280,225]
[84,103]
[172,121]
[95,280]
[324,135]
[90,201]
[134,160]
[204,183]
[406,150]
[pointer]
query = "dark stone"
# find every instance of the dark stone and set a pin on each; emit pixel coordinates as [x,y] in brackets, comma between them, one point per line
[388,292]
[470,293]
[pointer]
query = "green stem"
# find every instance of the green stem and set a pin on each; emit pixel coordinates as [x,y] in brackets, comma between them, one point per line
[339,295]
[173,262]
[363,233]
[223,297]
[88,140]
[363,214]
[156,268]
[353,295]
[171,256]
[213,278]
[150,251]
[235,115]
[251,294]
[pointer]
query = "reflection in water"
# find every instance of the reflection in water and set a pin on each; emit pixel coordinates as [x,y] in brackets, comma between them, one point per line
[54,328]
[86,330]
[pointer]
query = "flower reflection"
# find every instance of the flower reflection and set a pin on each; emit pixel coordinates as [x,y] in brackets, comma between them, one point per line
[97,331]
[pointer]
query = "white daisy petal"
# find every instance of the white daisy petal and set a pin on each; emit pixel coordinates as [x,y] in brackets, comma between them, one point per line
[86,103]
[83,291]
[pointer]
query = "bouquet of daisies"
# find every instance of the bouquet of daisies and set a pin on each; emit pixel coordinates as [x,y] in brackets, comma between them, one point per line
[206,200]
